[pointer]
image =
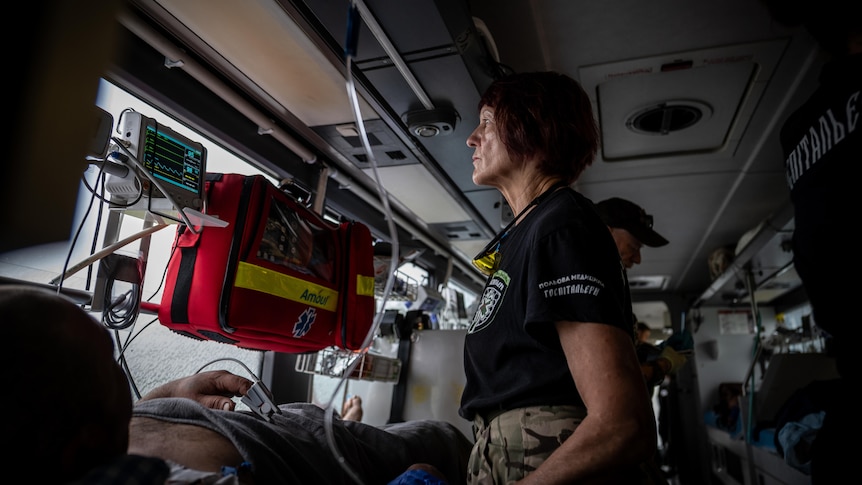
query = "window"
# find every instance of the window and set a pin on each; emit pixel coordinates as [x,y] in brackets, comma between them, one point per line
[153,354]
[156,354]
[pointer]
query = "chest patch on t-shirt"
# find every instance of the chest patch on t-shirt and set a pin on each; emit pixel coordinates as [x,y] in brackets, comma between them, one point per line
[490,301]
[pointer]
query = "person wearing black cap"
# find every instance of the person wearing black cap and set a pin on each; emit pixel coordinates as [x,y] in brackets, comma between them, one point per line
[631,228]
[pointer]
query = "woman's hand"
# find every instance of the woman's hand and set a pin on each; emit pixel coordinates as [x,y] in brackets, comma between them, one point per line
[213,389]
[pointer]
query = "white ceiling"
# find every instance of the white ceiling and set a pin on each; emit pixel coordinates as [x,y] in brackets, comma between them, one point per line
[705,185]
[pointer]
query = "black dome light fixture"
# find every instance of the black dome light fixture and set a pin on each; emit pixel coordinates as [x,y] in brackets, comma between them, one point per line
[428,123]
[668,117]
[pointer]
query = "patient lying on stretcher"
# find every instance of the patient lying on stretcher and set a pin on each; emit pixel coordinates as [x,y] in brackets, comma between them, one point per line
[78,424]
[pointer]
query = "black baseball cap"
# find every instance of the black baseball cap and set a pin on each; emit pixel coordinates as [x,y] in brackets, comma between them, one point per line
[624,214]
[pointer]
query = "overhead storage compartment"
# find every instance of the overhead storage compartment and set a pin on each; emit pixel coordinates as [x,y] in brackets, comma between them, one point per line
[763,255]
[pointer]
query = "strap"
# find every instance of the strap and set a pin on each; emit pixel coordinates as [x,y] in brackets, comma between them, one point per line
[183,285]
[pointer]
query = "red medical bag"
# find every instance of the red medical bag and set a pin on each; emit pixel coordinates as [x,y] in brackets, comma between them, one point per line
[278,277]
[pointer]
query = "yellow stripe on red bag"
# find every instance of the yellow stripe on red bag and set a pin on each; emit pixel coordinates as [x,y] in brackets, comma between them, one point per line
[364,285]
[257,278]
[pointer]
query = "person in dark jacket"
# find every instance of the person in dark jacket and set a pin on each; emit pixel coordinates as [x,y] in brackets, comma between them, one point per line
[822,142]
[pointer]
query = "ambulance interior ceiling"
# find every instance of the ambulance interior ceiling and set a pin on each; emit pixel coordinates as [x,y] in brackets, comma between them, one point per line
[689,96]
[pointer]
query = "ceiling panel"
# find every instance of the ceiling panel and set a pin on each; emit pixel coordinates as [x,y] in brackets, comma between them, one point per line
[282,58]
[415,186]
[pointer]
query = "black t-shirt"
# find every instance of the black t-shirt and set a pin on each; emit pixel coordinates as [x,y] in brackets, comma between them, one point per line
[559,263]
[822,142]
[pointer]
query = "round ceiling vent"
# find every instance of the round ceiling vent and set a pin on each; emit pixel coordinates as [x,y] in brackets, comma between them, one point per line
[668,117]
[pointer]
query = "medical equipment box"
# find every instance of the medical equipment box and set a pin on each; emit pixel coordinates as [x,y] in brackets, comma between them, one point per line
[278,277]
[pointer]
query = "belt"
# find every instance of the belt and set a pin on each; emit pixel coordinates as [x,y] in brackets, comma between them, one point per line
[490,414]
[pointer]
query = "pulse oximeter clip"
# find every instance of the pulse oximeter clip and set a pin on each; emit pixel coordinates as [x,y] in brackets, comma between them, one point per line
[259,400]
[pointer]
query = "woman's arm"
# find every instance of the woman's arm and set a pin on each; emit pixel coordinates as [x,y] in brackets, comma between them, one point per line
[619,431]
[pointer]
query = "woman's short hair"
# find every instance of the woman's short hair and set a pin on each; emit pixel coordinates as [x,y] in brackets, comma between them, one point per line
[546,115]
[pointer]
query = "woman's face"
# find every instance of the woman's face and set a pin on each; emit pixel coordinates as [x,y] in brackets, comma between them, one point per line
[491,162]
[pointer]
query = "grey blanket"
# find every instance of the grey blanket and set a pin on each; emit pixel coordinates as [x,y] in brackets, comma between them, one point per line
[293,449]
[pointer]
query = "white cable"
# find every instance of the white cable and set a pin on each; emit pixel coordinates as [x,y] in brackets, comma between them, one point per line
[220,359]
[390,281]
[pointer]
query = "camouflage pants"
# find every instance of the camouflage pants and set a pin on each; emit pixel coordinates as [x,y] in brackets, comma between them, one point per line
[516,442]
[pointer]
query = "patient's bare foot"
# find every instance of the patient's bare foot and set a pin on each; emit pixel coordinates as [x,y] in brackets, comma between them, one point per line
[352,409]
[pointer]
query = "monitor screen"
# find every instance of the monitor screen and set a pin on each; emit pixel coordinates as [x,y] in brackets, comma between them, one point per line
[176,163]
[173,159]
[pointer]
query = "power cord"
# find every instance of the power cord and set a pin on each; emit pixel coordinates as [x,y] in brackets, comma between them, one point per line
[120,311]
[241,363]
[121,358]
